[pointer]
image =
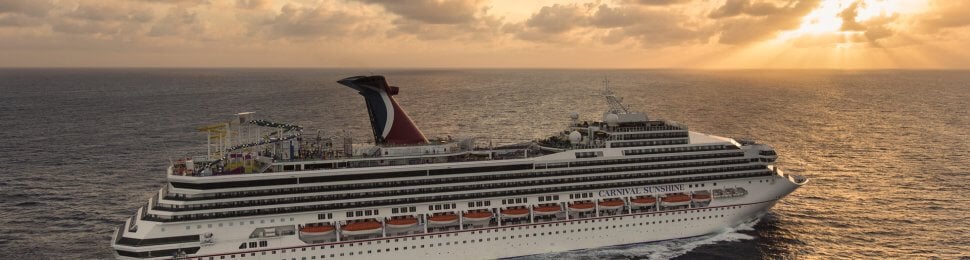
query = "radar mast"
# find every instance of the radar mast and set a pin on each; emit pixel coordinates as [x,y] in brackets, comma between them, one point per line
[616,104]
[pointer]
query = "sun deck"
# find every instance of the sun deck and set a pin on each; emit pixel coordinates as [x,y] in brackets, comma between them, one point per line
[375,156]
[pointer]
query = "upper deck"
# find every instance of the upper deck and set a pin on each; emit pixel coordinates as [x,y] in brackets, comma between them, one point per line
[250,146]
[446,153]
[308,155]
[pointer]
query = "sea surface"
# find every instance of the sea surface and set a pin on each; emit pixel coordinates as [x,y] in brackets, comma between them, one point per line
[887,151]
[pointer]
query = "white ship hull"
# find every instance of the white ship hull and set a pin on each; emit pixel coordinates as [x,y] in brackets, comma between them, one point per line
[525,239]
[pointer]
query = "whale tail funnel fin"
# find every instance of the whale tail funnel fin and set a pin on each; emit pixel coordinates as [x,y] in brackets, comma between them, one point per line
[390,123]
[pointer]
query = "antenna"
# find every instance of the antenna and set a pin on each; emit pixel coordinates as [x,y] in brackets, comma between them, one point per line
[616,104]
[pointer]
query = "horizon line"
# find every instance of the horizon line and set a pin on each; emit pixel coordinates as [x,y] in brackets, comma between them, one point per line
[482,68]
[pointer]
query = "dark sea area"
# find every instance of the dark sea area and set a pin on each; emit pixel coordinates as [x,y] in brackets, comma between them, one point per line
[887,151]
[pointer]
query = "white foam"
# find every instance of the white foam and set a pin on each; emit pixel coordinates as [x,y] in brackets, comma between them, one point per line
[657,250]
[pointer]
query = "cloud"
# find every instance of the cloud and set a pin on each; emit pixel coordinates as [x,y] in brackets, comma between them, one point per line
[649,27]
[484,29]
[19,20]
[646,26]
[23,13]
[253,4]
[872,29]
[29,8]
[178,22]
[416,30]
[184,3]
[732,8]
[103,19]
[432,11]
[949,14]
[848,18]
[300,22]
[607,17]
[557,18]
[657,2]
[107,12]
[457,20]
[761,20]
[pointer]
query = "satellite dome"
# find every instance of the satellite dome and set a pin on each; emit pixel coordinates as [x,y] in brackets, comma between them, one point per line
[575,137]
[612,119]
[574,115]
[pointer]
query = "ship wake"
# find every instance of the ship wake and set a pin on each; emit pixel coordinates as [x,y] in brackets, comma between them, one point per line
[656,250]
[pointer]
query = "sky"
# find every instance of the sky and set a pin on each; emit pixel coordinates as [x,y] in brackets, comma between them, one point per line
[694,34]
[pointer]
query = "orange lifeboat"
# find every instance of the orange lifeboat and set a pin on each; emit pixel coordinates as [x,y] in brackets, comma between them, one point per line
[443,219]
[546,210]
[361,228]
[404,222]
[675,200]
[477,216]
[515,213]
[311,231]
[644,201]
[582,207]
[611,204]
[702,197]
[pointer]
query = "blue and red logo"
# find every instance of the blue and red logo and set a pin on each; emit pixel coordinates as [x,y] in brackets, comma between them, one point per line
[390,123]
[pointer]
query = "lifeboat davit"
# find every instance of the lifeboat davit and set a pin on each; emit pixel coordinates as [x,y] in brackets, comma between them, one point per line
[611,204]
[477,216]
[315,231]
[515,213]
[546,210]
[361,228]
[644,201]
[676,200]
[402,222]
[444,219]
[702,197]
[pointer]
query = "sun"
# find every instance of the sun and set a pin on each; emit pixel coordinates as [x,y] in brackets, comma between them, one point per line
[826,19]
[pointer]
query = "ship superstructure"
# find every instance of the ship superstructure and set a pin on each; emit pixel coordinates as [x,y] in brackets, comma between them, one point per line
[267,190]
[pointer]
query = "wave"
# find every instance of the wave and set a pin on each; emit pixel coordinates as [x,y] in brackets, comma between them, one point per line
[667,249]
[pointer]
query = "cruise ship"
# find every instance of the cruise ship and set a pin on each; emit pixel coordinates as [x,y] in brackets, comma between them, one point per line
[267,190]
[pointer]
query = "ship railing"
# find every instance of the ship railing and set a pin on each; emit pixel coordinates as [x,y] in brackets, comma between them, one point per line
[569,146]
[587,146]
[334,197]
[151,204]
[430,142]
[396,184]
[352,162]
[646,129]
[398,201]
[628,138]
[154,199]
[117,233]
[132,227]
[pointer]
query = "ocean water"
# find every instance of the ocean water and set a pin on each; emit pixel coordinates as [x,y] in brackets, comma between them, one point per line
[888,152]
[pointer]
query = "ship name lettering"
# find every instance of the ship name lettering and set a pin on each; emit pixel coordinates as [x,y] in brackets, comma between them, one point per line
[641,190]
